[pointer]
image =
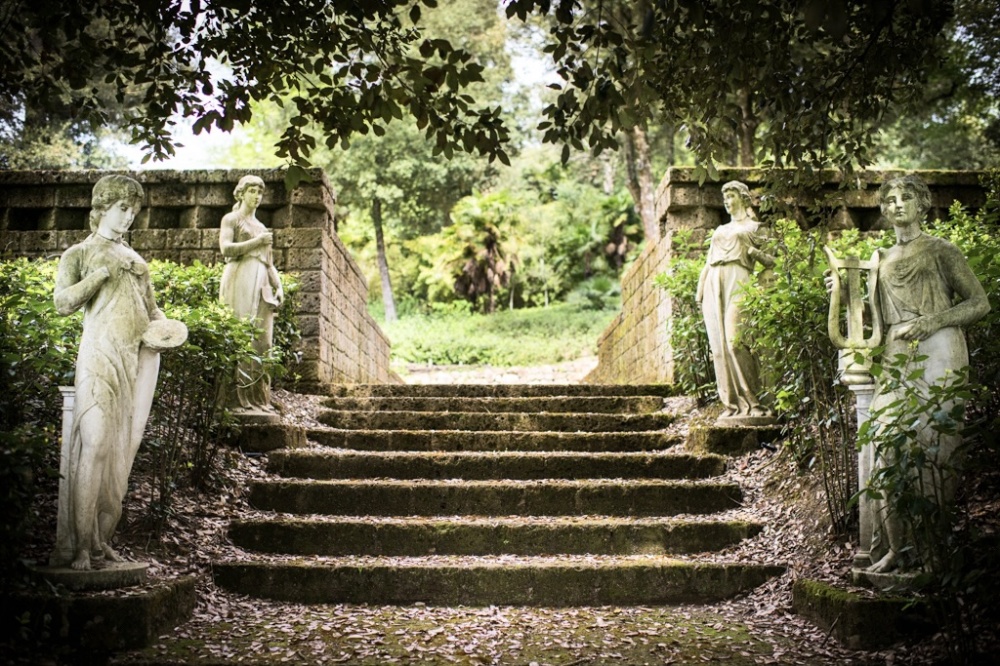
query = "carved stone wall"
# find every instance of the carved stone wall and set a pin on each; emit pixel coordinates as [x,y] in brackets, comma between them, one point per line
[635,347]
[44,212]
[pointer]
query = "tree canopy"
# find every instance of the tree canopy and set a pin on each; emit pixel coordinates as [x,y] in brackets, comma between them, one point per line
[798,81]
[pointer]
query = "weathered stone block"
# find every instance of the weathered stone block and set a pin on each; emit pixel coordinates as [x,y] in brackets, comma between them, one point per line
[41,196]
[186,239]
[74,196]
[732,441]
[206,257]
[170,195]
[149,239]
[39,242]
[70,218]
[64,239]
[163,218]
[304,258]
[264,437]
[858,622]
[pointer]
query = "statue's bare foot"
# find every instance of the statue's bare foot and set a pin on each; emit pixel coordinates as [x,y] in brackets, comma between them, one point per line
[889,562]
[727,412]
[82,561]
[111,554]
[760,411]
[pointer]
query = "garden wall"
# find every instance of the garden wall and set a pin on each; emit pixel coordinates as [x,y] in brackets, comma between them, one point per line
[635,348]
[44,212]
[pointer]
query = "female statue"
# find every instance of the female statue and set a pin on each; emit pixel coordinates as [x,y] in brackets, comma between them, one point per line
[116,370]
[732,256]
[250,285]
[926,293]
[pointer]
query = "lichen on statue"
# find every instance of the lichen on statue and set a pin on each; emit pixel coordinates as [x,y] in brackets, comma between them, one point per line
[250,286]
[116,371]
[733,254]
[926,294]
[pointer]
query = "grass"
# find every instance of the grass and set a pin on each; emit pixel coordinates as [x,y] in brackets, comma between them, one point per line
[530,336]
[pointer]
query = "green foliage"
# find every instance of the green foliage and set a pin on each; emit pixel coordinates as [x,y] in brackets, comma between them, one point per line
[787,325]
[348,66]
[529,336]
[694,373]
[35,359]
[921,440]
[810,80]
[190,421]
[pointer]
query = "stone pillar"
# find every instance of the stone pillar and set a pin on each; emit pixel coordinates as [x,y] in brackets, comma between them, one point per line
[62,520]
[866,462]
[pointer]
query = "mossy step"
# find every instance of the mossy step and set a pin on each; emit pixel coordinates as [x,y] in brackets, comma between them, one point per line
[494,498]
[325,464]
[642,404]
[500,390]
[564,581]
[487,536]
[495,440]
[582,422]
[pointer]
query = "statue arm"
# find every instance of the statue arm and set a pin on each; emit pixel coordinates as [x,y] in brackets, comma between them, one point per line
[700,293]
[973,306]
[73,292]
[231,249]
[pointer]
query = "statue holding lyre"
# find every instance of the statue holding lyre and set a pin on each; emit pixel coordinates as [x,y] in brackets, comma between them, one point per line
[921,293]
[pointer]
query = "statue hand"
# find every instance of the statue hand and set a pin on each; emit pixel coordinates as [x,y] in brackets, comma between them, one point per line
[828,280]
[918,329]
[266,238]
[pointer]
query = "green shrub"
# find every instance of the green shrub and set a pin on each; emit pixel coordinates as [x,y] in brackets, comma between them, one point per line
[693,370]
[36,357]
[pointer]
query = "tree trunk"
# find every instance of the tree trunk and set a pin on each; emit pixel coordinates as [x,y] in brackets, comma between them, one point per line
[640,181]
[383,265]
[747,130]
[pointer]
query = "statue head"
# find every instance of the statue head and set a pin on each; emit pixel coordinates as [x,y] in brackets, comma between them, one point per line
[911,184]
[741,189]
[245,183]
[108,191]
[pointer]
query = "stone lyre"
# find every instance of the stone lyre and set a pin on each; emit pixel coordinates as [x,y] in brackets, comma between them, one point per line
[855,340]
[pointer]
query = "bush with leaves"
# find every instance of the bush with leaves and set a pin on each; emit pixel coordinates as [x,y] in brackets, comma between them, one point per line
[35,360]
[693,370]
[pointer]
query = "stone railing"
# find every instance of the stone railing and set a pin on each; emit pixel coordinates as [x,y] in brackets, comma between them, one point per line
[44,212]
[635,348]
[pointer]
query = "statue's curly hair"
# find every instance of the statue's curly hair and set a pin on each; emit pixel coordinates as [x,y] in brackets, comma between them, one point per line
[241,187]
[108,191]
[911,183]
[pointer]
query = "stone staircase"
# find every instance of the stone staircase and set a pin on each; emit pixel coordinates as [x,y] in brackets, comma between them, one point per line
[492,495]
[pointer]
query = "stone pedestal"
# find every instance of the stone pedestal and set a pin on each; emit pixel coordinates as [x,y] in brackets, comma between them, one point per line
[88,625]
[59,556]
[898,583]
[866,461]
[731,440]
[112,576]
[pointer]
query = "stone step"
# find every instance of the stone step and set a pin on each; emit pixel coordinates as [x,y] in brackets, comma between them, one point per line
[496,498]
[496,440]
[640,404]
[488,536]
[500,390]
[505,580]
[582,422]
[326,464]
